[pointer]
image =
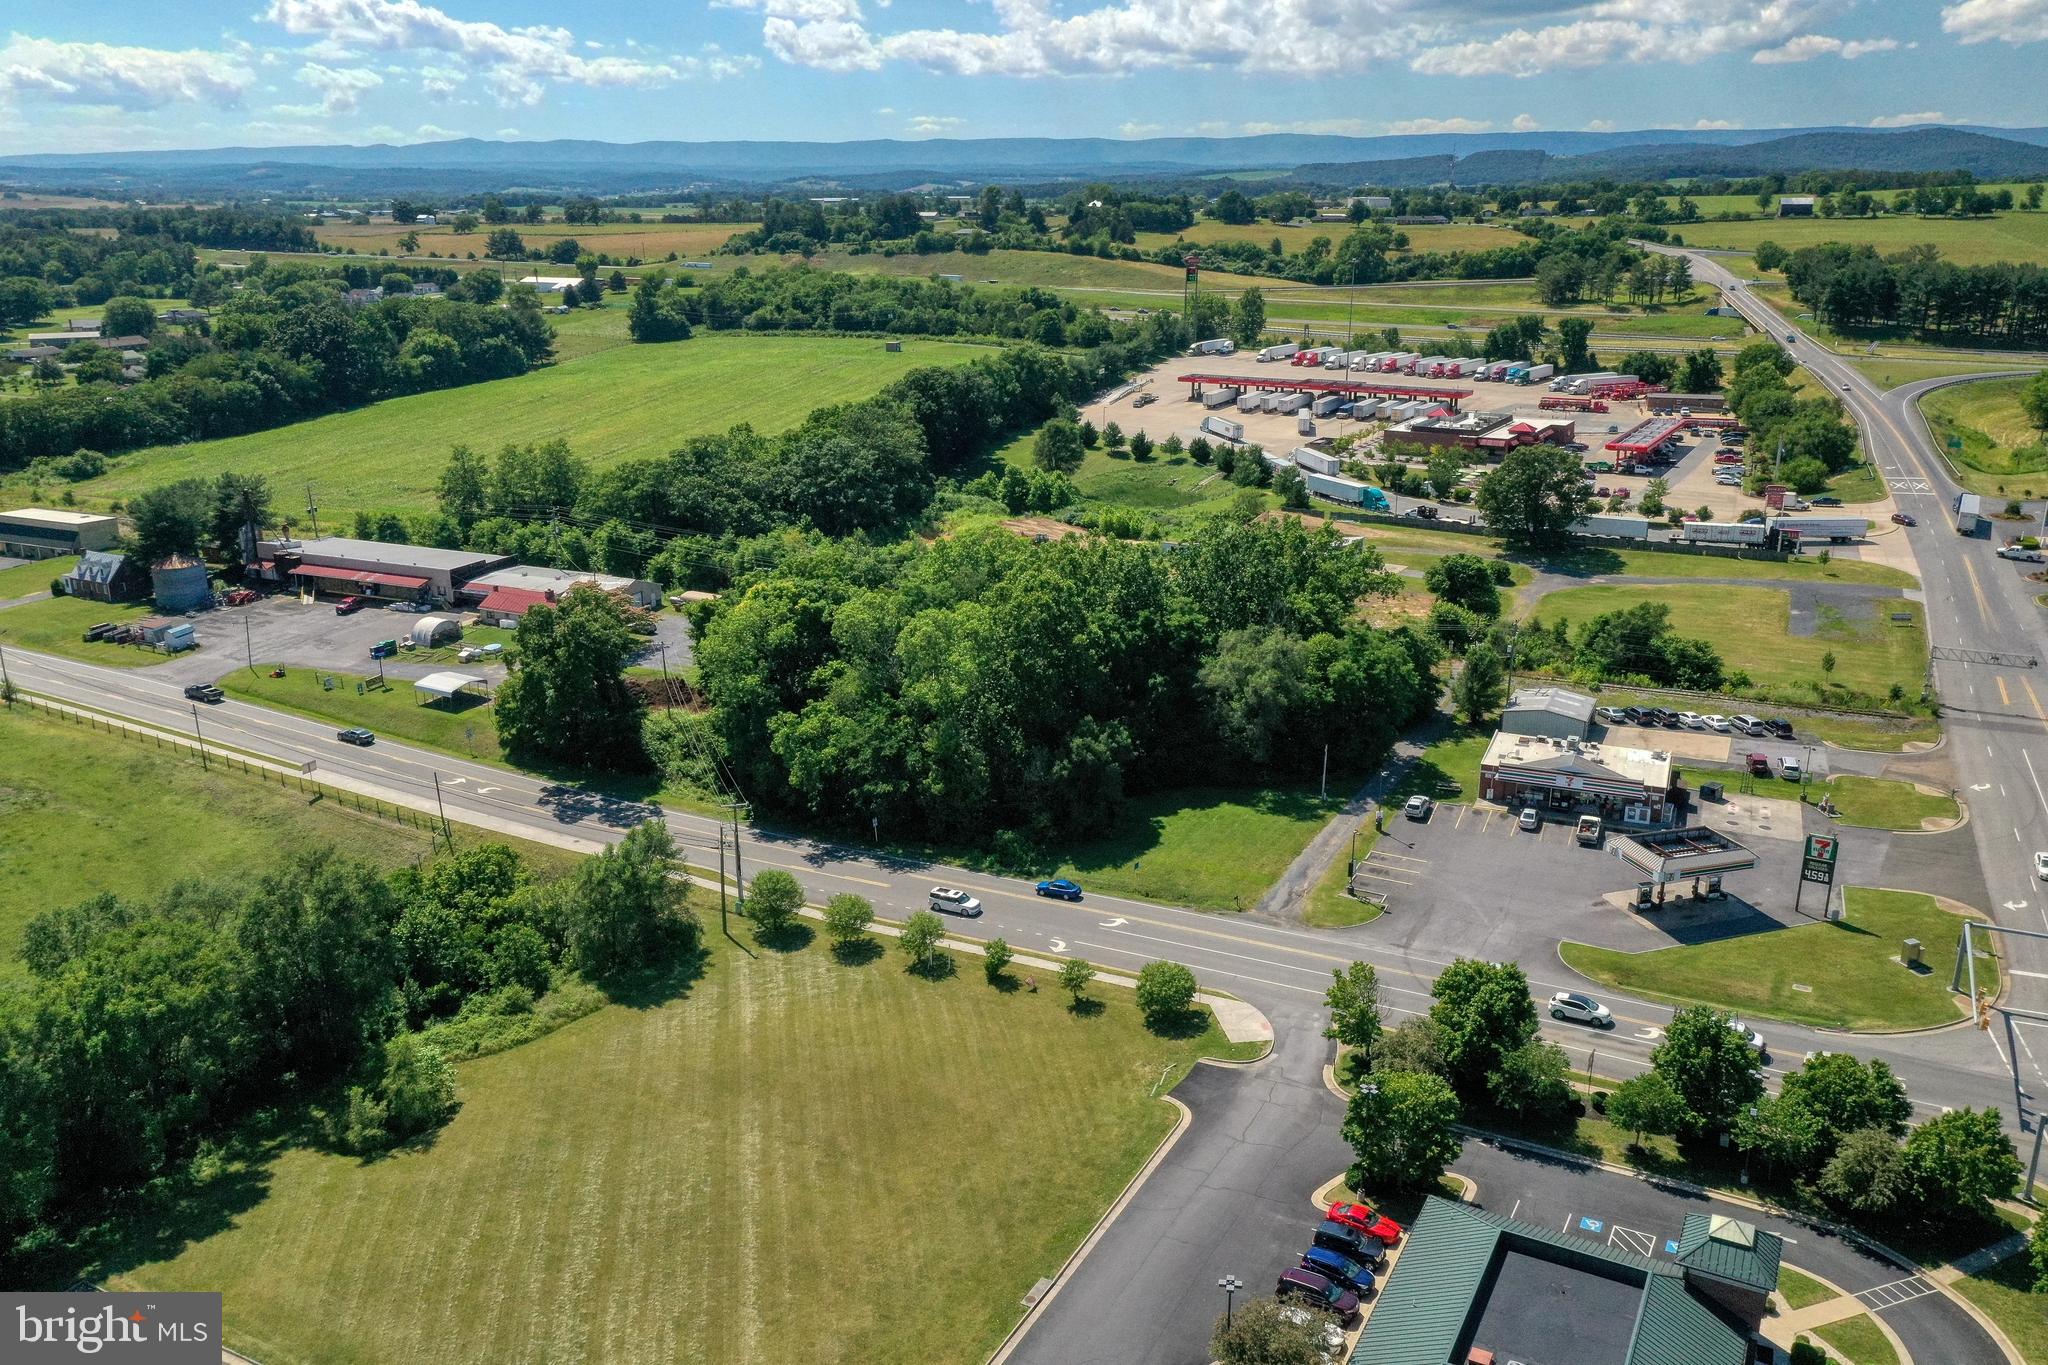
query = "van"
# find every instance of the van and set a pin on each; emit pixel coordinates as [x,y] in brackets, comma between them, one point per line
[1748,725]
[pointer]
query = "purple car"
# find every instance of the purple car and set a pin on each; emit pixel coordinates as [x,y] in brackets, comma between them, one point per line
[1318,1291]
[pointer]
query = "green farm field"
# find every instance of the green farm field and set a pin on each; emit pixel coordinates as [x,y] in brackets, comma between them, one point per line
[651,242]
[2019,237]
[1752,629]
[790,1159]
[1421,237]
[624,401]
[2000,448]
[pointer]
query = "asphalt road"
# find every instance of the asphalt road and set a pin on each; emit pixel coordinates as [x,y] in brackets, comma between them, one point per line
[1988,639]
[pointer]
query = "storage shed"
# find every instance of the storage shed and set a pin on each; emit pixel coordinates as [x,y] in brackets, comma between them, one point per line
[429,631]
[1553,711]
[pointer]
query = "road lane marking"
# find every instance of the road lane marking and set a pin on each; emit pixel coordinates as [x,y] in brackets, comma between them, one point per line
[1977,591]
[2035,701]
[2004,696]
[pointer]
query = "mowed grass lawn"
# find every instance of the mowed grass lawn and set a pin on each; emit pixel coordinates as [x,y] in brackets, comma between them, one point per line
[391,712]
[2004,1293]
[1751,629]
[1212,849]
[34,576]
[1802,1291]
[1888,373]
[1848,964]
[1997,440]
[795,1160]
[1858,1339]
[83,812]
[57,625]
[622,402]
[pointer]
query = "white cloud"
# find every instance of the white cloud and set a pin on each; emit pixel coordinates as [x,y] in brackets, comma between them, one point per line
[518,64]
[1712,125]
[1807,46]
[929,125]
[1036,38]
[1136,129]
[1910,120]
[1330,127]
[132,78]
[1526,123]
[2005,21]
[1600,125]
[426,132]
[1407,127]
[340,89]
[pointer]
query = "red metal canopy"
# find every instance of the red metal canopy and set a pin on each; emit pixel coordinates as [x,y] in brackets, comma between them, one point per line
[360,577]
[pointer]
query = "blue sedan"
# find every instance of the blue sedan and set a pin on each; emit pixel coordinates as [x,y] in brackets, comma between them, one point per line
[1060,888]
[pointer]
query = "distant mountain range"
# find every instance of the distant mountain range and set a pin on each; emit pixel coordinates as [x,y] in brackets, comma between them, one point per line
[467,165]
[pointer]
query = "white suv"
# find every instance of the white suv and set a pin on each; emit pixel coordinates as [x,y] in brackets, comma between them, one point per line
[948,901]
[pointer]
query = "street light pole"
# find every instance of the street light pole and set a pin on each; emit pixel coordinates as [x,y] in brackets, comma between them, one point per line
[1229,1284]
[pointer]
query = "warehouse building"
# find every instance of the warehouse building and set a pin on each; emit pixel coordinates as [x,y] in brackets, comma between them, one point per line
[1795,206]
[533,585]
[1573,777]
[1480,1288]
[372,568]
[41,533]
[1553,712]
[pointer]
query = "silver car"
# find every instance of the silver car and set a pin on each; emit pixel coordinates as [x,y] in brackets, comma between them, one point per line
[1580,1009]
[948,901]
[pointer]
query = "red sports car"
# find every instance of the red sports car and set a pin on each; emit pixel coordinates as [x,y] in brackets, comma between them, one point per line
[1367,1221]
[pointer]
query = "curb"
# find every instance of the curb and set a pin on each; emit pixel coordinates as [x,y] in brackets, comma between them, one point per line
[1061,1276]
[1847,1234]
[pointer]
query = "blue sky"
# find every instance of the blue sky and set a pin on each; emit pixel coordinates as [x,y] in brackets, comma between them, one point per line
[197,73]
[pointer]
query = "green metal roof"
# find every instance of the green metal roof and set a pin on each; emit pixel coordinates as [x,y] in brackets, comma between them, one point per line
[1425,1303]
[1675,1328]
[1423,1306]
[1730,1250]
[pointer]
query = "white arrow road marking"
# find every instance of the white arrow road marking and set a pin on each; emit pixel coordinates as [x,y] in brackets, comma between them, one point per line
[1059,945]
[1115,922]
[1981,787]
[2014,905]
[486,791]
[455,781]
[1649,1035]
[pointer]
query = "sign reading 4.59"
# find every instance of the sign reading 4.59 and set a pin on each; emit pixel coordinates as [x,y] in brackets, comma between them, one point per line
[1818,864]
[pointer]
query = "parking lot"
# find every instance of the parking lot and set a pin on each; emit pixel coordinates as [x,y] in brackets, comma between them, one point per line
[1469,882]
[279,629]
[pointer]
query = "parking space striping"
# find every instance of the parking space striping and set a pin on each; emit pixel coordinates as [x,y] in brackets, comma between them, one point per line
[1897,1292]
[1628,1239]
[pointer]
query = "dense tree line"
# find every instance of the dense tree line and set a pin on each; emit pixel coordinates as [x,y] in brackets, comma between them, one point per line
[148,1027]
[985,685]
[1852,286]
[283,347]
[1801,442]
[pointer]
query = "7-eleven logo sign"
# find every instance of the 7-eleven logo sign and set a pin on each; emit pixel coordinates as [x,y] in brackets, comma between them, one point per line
[1822,847]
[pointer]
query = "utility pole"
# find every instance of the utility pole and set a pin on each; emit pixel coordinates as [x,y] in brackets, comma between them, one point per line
[739,875]
[2034,1166]
[721,881]
[438,805]
[312,512]
[249,642]
[6,683]
[203,764]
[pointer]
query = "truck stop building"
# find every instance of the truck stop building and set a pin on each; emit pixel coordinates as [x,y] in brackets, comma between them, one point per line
[1480,1288]
[41,533]
[373,568]
[1491,434]
[1570,777]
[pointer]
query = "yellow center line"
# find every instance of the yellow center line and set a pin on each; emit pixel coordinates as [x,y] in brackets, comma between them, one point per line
[1977,591]
[2004,697]
[2035,701]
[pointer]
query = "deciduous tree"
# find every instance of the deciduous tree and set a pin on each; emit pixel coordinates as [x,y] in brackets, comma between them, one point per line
[1646,1105]
[1166,991]
[773,900]
[1399,1127]
[1710,1065]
